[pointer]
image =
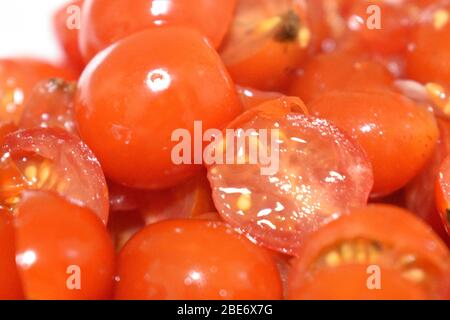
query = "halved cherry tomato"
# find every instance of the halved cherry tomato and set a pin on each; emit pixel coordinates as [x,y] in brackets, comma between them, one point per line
[63,251]
[67,31]
[10,285]
[338,71]
[310,174]
[194,259]
[17,80]
[159,80]
[443,193]
[382,236]
[50,106]
[268,39]
[398,135]
[51,159]
[251,98]
[427,59]
[106,21]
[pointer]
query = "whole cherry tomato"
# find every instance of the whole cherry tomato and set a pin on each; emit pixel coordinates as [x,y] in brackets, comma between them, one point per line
[63,251]
[159,81]
[382,122]
[17,80]
[106,21]
[379,240]
[195,259]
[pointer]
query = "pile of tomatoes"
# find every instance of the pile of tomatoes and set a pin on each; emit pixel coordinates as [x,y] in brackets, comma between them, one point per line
[92,205]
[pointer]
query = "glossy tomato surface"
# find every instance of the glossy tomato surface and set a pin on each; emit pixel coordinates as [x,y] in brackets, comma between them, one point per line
[51,159]
[443,193]
[159,80]
[63,251]
[383,236]
[194,259]
[106,21]
[310,173]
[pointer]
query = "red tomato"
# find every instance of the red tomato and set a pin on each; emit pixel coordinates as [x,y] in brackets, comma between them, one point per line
[315,175]
[382,122]
[427,60]
[51,159]
[10,286]
[443,193]
[276,38]
[63,251]
[194,259]
[159,80]
[338,71]
[17,80]
[391,238]
[251,98]
[65,25]
[50,105]
[5,129]
[106,21]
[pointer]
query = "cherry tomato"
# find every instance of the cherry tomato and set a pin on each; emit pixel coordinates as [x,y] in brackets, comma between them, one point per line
[251,98]
[313,175]
[63,251]
[276,39]
[398,135]
[17,80]
[159,80]
[50,105]
[387,237]
[106,21]
[338,71]
[443,193]
[10,286]
[51,159]
[66,28]
[427,59]
[194,259]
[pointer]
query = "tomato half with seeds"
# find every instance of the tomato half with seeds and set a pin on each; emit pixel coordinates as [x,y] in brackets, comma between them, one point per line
[276,38]
[413,261]
[309,173]
[10,285]
[51,159]
[129,120]
[63,251]
[381,121]
[65,25]
[338,71]
[106,21]
[443,193]
[50,106]
[195,259]
[17,80]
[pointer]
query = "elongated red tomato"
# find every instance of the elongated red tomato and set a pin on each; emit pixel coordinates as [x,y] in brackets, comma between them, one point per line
[348,255]
[50,106]
[381,121]
[308,173]
[160,81]
[443,193]
[63,251]
[194,259]
[17,80]
[51,159]
[276,37]
[106,21]
[10,285]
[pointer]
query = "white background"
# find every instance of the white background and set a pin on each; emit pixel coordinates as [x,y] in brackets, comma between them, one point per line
[26,29]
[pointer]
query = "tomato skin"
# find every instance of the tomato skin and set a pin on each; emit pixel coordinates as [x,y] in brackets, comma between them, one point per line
[68,38]
[338,71]
[10,285]
[52,235]
[106,21]
[251,98]
[443,193]
[381,121]
[17,80]
[153,75]
[427,60]
[395,230]
[194,259]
